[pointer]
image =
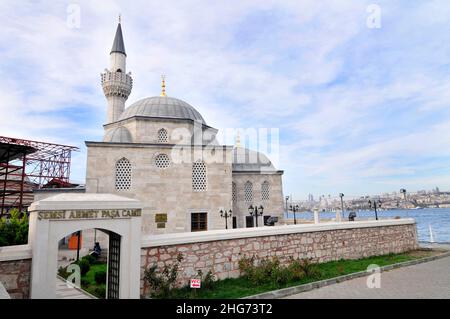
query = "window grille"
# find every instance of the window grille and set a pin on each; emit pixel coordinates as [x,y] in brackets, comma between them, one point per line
[233,192]
[163,136]
[265,191]
[199,183]
[162,161]
[123,174]
[248,192]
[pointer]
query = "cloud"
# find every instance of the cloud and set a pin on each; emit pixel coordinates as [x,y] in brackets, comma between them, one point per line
[358,109]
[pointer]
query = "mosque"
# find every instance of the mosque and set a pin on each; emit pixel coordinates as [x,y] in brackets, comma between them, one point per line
[161,151]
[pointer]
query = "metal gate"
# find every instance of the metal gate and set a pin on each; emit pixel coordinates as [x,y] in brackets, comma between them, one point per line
[113,266]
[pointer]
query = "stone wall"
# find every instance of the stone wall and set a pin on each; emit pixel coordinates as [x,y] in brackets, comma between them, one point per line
[15,270]
[221,251]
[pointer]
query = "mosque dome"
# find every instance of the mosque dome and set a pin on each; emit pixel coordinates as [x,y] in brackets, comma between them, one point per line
[246,160]
[118,135]
[162,107]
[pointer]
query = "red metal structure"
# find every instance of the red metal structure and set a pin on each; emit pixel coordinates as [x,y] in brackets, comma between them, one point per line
[26,165]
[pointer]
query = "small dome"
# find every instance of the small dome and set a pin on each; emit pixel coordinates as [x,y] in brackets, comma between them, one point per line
[118,135]
[162,107]
[248,160]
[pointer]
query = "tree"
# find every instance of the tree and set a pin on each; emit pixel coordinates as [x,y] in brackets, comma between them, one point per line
[14,230]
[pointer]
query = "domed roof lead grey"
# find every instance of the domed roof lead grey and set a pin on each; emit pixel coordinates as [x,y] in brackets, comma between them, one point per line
[118,45]
[162,107]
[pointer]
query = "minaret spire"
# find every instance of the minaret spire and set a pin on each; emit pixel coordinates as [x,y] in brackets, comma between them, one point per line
[118,45]
[116,82]
[163,85]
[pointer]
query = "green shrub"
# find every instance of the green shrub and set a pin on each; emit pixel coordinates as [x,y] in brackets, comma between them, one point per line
[14,230]
[100,292]
[62,271]
[84,283]
[90,259]
[163,282]
[84,266]
[100,277]
[310,269]
[271,271]
[208,280]
[296,270]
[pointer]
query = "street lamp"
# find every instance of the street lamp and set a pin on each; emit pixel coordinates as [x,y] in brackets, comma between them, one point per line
[287,208]
[341,195]
[226,215]
[294,209]
[403,191]
[375,204]
[256,211]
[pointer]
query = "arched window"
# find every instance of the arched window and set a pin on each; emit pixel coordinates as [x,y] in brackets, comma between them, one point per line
[265,191]
[123,174]
[119,70]
[248,192]
[233,192]
[199,181]
[163,137]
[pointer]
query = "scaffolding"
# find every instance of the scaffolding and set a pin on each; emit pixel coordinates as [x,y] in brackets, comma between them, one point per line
[26,165]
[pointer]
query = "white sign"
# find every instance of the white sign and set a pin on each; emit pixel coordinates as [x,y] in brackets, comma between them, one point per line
[196,283]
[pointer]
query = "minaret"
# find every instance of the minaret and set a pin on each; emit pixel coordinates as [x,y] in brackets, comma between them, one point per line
[116,83]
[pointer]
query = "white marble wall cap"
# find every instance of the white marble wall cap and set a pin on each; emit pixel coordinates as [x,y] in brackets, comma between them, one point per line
[72,201]
[18,252]
[214,235]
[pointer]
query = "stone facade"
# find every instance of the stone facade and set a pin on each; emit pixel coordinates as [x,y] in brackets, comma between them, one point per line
[334,242]
[273,206]
[15,276]
[161,191]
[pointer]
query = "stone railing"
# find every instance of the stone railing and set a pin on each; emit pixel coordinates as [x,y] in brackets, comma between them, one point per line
[117,83]
[15,270]
[221,250]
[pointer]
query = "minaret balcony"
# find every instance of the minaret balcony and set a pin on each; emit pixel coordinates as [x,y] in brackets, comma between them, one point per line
[117,83]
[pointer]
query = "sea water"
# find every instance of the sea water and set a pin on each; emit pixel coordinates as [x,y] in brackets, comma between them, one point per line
[438,219]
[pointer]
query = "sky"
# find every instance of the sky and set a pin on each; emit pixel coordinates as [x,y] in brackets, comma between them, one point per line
[358,91]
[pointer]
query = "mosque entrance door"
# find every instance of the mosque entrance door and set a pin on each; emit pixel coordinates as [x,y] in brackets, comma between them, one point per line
[249,221]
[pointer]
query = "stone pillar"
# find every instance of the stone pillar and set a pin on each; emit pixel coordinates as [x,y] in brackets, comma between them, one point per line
[316,216]
[339,216]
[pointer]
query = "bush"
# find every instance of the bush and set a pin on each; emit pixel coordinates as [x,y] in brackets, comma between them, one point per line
[100,277]
[14,230]
[310,269]
[90,259]
[62,271]
[162,283]
[84,266]
[271,271]
[84,283]
[208,280]
[100,292]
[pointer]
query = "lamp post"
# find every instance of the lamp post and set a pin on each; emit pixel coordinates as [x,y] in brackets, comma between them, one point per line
[287,208]
[341,195]
[375,204]
[226,215]
[294,209]
[255,212]
[403,191]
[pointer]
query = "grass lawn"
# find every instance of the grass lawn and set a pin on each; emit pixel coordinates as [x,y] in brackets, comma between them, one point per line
[88,281]
[241,287]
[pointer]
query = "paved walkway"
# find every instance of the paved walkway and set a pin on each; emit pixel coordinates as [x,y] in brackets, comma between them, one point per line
[65,292]
[426,280]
